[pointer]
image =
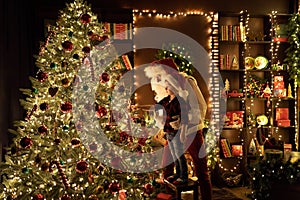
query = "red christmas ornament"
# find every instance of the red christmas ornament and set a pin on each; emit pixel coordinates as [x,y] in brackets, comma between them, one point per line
[65,197]
[116,161]
[97,39]
[26,142]
[67,45]
[86,49]
[104,77]
[142,141]
[81,166]
[42,129]
[75,142]
[38,197]
[93,147]
[85,18]
[114,187]
[123,136]
[66,107]
[42,76]
[101,111]
[148,189]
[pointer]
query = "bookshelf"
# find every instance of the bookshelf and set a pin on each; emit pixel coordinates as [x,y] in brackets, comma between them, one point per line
[256,84]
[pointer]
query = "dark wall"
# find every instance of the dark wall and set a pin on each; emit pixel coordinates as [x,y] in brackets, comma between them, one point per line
[22,29]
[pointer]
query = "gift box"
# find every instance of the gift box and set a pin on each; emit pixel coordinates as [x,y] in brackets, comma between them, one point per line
[235,93]
[234,119]
[281,93]
[163,196]
[278,85]
[237,150]
[282,113]
[283,122]
[278,79]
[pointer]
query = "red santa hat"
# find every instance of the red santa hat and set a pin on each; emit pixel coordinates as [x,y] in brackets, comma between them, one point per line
[168,62]
[172,76]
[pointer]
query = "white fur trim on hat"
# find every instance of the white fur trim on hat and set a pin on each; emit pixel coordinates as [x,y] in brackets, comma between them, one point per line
[153,71]
[170,80]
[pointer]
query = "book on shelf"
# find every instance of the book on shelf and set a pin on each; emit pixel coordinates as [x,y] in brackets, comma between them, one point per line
[226,148]
[120,31]
[126,62]
[230,33]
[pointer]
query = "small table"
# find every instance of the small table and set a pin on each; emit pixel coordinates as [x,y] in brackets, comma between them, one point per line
[191,185]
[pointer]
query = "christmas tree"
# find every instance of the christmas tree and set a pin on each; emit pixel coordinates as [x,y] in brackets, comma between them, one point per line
[72,144]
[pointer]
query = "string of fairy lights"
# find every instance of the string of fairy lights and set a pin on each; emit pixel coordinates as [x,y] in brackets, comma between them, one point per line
[274,48]
[212,18]
[173,16]
[213,52]
[274,55]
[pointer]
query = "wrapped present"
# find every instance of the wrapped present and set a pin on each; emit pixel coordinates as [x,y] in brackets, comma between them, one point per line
[235,93]
[278,85]
[283,122]
[234,119]
[282,113]
[225,148]
[236,150]
[278,79]
[163,196]
[280,93]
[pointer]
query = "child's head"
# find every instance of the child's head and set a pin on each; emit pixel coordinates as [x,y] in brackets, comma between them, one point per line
[164,74]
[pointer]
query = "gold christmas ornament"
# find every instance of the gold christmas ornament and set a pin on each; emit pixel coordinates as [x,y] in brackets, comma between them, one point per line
[262,120]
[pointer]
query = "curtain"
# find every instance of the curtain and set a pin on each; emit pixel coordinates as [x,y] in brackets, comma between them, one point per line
[16,60]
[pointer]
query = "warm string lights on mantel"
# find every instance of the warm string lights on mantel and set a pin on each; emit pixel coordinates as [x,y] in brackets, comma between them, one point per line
[151,13]
[210,16]
[173,15]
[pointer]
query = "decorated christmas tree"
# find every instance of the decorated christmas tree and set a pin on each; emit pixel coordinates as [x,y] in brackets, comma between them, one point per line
[78,129]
